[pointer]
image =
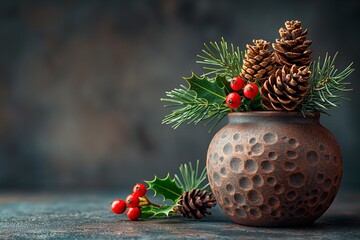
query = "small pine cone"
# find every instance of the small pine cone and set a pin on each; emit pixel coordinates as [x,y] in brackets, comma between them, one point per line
[292,47]
[284,90]
[259,62]
[194,203]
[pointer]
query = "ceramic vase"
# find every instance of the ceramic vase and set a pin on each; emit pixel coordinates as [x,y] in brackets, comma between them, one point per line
[274,169]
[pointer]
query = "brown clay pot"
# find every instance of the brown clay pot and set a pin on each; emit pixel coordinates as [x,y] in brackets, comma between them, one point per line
[274,169]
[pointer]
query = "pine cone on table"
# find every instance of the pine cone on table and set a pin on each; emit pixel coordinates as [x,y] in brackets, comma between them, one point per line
[284,90]
[259,62]
[194,203]
[292,47]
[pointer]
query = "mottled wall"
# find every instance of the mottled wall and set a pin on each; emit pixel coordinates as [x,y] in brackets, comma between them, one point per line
[80,83]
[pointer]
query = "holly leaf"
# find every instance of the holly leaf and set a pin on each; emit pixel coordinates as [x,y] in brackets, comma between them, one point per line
[223,83]
[151,211]
[147,212]
[165,187]
[207,89]
[164,211]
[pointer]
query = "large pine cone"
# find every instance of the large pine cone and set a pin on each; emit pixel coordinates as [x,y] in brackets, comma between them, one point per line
[284,90]
[292,47]
[194,203]
[259,62]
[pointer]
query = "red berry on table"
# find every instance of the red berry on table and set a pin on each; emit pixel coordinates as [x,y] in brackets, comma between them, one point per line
[251,90]
[118,206]
[133,213]
[237,83]
[132,201]
[233,100]
[139,190]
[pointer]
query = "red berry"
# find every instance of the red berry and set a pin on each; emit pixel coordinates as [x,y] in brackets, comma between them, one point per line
[118,206]
[237,83]
[133,213]
[251,90]
[139,190]
[233,100]
[132,201]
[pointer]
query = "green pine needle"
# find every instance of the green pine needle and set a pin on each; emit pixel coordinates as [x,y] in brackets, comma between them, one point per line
[190,178]
[220,58]
[327,86]
[191,109]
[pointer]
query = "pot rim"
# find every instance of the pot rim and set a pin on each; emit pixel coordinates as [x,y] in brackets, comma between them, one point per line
[273,114]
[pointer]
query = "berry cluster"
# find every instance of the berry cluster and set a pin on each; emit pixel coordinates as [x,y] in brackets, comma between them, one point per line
[234,99]
[132,202]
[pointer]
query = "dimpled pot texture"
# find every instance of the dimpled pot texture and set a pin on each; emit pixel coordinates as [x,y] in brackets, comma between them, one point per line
[274,169]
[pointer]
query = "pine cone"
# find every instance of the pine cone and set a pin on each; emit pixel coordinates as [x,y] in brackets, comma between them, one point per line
[286,88]
[259,62]
[291,48]
[194,203]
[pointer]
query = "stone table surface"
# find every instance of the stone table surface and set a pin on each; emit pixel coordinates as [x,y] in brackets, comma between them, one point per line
[88,215]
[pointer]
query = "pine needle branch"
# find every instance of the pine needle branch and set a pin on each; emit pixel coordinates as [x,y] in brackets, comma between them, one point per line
[327,86]
[191,178]
[191,109]
[220,58]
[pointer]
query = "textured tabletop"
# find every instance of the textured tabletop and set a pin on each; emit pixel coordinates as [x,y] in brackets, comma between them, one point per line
[84,216]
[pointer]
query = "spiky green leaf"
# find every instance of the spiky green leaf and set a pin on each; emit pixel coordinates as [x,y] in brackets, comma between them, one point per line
[207,89]
[147,212]
[151,212]
[166,187]
[223,83]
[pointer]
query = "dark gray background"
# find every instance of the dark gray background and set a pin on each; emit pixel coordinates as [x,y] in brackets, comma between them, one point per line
[80,83]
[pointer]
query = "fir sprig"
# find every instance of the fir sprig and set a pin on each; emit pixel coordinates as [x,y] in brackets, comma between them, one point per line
[220,58]
[204,99]
[191,109]
[190,178]
[327,86]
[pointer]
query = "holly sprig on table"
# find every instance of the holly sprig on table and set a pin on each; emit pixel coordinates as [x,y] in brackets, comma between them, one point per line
[181,194]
